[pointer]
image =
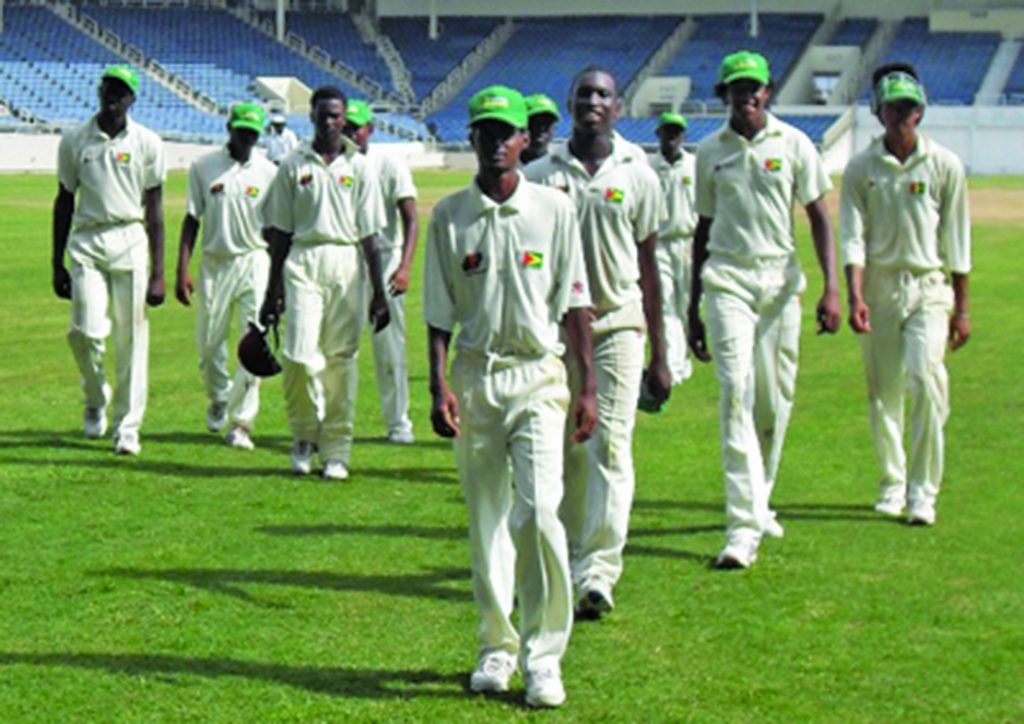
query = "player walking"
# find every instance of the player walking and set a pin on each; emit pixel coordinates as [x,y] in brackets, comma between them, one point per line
[226,190]
[323,207]
[397,244]
[543,116]
[116,168]
[904,227]
[504,263]
[748,175]
[618,203]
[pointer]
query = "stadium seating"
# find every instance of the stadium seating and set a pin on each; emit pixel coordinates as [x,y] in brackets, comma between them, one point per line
[544,54]
[854,31]
[933,54]
[430,61]
[642,130]
[781,39]
[336,34]
[1014,88]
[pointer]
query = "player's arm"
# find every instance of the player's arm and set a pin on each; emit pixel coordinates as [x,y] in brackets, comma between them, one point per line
[696,335]
[829,310]
[659,380]
[63,208]
[280,243]
[379,314]
[860,314]
[584,413]
[444,407]
[152,201]
[183,286]
[399,282]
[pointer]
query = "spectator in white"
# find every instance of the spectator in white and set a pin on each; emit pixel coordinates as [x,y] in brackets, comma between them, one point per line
[279,140]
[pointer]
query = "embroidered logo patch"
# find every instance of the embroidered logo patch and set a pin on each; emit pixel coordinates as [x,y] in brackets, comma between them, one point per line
[473,262]
[346,181]
[217,188]
[252,191]
[774,165]
[687,180]
[918,188]
[614,196]
[123,157]
[306,180]
[577,287]
[532,260]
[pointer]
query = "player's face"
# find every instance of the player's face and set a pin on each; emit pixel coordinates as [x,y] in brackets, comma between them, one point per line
[900,116]
[594,103]
[497,145]
[328,118]
[115,97]
[242,140]
[360,135]
[670,139]
[747,100]
[542,130]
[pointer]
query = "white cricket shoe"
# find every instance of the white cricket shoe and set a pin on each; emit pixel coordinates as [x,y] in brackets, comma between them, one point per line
[216,416]
[238,437]
[544,688]
[401,437]
[127,443]
[737,554]
[772,527]
[302,457]
[94,422]
[335,470]
[492,672]
[892,499]
[922,512]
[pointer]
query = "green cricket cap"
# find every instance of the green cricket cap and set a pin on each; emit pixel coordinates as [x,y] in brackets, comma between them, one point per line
[498,103]
[247,115]
[899,86]
[124,73]
[744,64]
[539,103]
[672,119]
[358,112]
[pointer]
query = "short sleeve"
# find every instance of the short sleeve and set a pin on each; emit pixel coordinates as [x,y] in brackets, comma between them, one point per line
[156,165]
[705,185]
[812,181]
[370,216]
[852,219]
[955,220]
[278,211]
[404,188]
[650,209]
[67,165]
[438,301]
[572,289]
[195,199]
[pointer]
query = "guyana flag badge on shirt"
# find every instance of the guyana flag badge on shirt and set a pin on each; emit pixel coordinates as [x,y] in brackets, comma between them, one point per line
[346,181]
[533,260]
[773,165]
[918,188]
[614,196]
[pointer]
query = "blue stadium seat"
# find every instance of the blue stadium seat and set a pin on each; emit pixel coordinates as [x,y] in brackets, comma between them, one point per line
[336,34]
[854,31]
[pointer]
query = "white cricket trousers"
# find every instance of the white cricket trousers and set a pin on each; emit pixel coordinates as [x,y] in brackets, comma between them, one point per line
[904,353]
[325,305]
[509,456]
[389,354]
[753,321]
[226,285]
[108,294]
[599,479]
[674,263]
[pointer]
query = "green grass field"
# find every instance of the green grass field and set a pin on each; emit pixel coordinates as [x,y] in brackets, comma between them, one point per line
[200,583]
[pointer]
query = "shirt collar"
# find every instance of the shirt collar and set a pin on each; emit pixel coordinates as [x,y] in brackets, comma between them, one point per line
[231,159]
[921,152]
[622,152]
[772,127]
[348,150]
[484,204]
[129,126]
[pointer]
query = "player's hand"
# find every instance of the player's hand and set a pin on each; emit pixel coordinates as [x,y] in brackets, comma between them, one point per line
[444,414]
[696,337]
[860,316]
[829,312]
[398,284]
[380,317]
[584,416]
[183,289]
[272,308]
[156,290]
[959,330]
[61,282]
[659,382]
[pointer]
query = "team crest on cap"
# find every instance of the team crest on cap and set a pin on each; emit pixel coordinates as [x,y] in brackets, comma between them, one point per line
[918,188]
[614,196]
[494,102]
[346,181]
[217,188]
[533,260]
[774,165]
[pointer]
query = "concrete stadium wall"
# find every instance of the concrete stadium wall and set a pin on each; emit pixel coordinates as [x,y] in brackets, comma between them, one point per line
[27,152]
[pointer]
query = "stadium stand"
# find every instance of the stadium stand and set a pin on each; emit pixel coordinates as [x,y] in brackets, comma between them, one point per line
[854,31]
[430,61]
[52,71]
[933,54]
[1014,88]
[336,34]
[781,39]
[641,130]
[545,53]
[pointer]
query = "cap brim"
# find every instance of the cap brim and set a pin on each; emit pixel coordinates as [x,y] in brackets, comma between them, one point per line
[745,75]
[901,97]
[485,116]
[250,125]
[120,80]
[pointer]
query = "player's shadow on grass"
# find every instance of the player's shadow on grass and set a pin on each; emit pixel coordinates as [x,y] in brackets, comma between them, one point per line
[831,511]
[435,585]
[63,439]
[633,548]
[392,531]
[327,680]
[659,505]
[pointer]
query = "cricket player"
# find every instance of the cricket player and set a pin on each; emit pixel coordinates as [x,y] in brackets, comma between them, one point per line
[748,175]
[618,204]
[504,264]
[906,242]
[226,189]
[397,244]
[324,206]
[677,172]
[543,117]
[280,140]
[116,169]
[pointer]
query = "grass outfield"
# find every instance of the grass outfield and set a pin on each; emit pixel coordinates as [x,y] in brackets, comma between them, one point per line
[201,583]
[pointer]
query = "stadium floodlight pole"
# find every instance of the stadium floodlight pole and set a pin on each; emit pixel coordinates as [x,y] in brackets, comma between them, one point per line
[1,16]
[279,21]
[432,26]
[754,20]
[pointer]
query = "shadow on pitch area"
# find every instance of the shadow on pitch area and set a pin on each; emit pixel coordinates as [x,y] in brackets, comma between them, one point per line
[393,531]
[443,584]
[330,680]
[832,511]
[644,505]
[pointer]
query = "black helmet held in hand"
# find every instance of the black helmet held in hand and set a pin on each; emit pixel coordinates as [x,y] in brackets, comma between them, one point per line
[254,352]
